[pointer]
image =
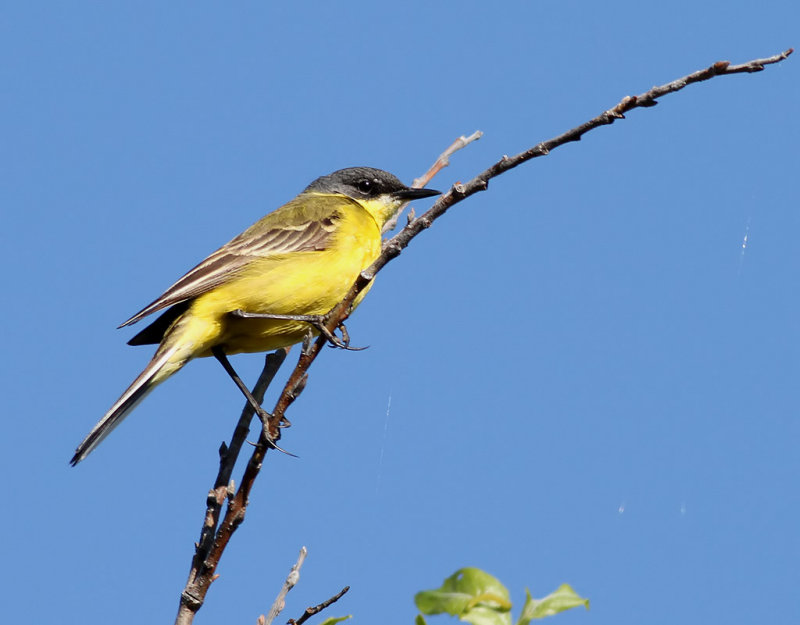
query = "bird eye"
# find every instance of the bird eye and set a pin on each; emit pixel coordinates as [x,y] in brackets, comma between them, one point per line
[365,185]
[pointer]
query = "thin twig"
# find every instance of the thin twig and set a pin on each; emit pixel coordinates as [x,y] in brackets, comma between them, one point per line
[480,182]
[440,163]
[288,584]
[318,608]
[237,504]
[444,158]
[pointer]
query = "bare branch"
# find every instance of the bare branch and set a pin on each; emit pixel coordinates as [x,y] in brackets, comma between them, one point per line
[319,608]
[202,571]
[288,584]
[481,182]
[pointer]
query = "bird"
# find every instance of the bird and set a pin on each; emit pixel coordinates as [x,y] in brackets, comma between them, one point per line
[260,291]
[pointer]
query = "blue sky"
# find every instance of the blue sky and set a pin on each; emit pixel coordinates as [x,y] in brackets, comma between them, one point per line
[581,375]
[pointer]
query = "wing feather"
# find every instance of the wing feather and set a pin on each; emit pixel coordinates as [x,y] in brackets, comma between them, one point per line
[295,227]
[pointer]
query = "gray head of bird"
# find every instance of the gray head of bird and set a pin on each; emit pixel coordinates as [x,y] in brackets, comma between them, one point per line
[367,183]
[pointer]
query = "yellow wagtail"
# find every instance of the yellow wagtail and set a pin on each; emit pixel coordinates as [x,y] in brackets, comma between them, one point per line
[299,260]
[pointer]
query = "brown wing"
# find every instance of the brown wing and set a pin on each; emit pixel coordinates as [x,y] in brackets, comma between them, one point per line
[291,228]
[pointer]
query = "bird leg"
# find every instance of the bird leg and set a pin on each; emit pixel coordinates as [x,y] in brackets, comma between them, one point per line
[263,415]
[318,321]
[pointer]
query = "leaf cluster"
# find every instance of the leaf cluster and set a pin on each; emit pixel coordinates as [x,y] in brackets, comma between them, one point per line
[478,598]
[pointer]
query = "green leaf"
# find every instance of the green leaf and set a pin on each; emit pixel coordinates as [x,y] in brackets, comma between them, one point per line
[562,599]
[481,615]
[336,619]
[470,594]
[420,620]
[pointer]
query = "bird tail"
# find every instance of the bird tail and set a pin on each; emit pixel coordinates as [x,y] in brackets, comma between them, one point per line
[158,369]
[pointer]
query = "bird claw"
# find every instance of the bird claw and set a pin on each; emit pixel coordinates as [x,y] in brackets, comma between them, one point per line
[271,442]
[341,343]
[264,416]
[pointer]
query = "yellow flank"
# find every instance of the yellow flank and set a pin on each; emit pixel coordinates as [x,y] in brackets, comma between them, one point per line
[301,259]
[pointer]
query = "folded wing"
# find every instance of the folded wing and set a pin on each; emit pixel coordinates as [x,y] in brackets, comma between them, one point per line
[292,228]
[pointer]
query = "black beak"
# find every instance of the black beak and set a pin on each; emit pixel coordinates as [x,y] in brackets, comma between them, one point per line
[415,194]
